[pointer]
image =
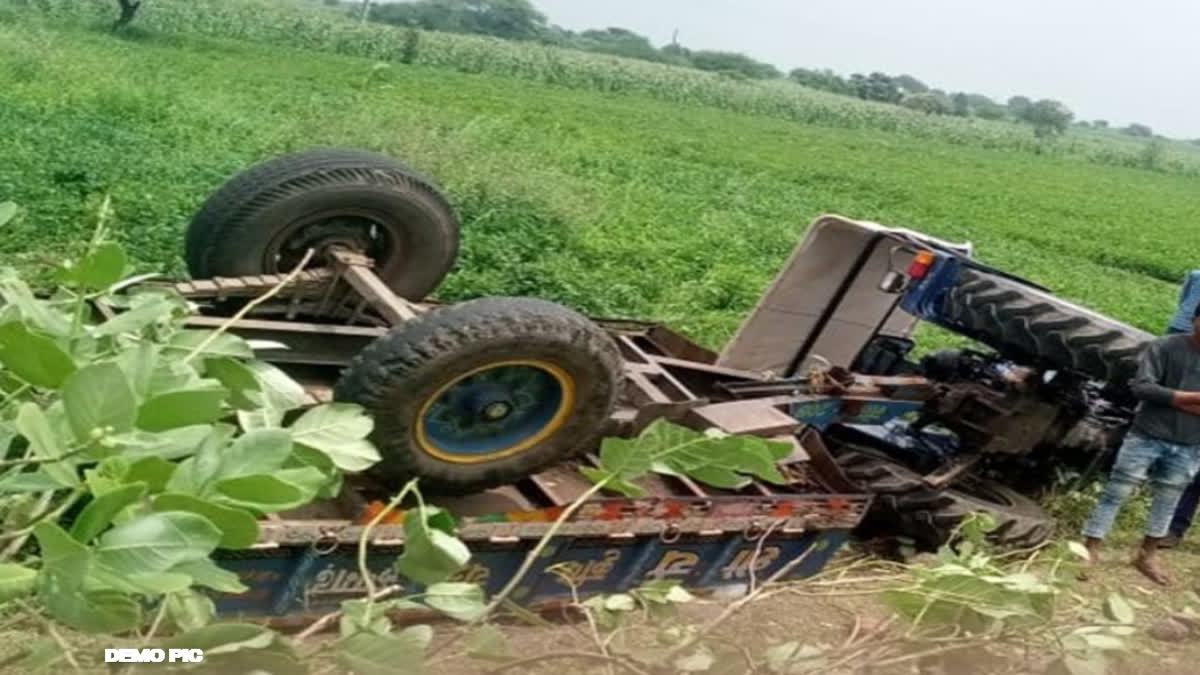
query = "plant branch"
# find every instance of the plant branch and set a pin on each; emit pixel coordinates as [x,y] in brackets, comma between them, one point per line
[20,536]
[527,564]
[736,606]
[241,313]
[321,623]
[36,461]
[567,655]
[366,533]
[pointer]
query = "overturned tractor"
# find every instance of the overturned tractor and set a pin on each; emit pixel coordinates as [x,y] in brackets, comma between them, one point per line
[493,403]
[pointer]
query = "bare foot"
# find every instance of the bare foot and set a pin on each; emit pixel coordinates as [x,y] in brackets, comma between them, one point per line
[1153,570]
[1089,564]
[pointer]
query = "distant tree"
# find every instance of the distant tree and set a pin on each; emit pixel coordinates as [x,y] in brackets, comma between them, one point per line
[984,107]
[826,80]
[619,42]
[734,62]
[1018,105]
[875,87]
[1048,117]
[1140,130]
[1100,124]
[927,102]
[960,105]
[1195,141]
[910,85]
[128,9]
[1083,124]
[511,19]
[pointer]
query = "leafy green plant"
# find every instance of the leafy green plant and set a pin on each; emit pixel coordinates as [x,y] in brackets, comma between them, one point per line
[123,469]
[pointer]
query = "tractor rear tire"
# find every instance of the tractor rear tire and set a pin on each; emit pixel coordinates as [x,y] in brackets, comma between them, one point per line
[1020,321]
[264,219]
[904,506]
[484,393]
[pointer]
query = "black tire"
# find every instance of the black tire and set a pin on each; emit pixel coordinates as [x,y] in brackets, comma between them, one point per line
[1029,325]
[262,220]
[398,376]
[904,506]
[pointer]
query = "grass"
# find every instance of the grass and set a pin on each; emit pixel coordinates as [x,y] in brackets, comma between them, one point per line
[614,204]
[304,24]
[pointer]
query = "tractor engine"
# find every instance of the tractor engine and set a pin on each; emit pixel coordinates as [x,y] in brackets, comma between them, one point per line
[1017,419]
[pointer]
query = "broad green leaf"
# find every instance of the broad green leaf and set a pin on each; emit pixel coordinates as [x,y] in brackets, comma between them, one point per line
[238,528]
[138,364]
[430,554]
[238,378]
[34,358]
[8,211]
[1117,608]
[169,444]
[90,611]
[717,477]
[25,482]
[304,456]
[339,430]
[62,556]
[105,578]
[206,573]
[173,375]
[137,318]
[280,393]
[157,542]
[176,409]
[457,600]
[356,618]
[255,452]
[41,315]
[223,638]
[261,492]
[371,654]
[196,473]
[155,472]
[309,479]
[101,268]
[16,581]
[43,653]
[627,458]
[99,396]
[489,643]
[99,513]
[190,610]
[44,444]
[225,345]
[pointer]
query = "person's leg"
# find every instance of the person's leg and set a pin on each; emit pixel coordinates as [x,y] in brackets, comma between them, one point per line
[1185,512]
[1169,476]
[1130,469]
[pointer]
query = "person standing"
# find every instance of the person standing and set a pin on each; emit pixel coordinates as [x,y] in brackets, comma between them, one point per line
[1185,513]
[1162,445]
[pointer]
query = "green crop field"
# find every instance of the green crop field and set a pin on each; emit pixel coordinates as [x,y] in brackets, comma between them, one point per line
[617,187]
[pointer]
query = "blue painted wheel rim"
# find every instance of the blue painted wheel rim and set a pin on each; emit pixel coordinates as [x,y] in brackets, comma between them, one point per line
[495,411]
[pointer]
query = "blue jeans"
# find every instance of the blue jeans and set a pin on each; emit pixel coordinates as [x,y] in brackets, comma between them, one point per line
[1170,467]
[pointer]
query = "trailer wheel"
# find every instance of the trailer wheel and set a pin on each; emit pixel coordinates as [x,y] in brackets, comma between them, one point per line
[1015,319]
[905,506]
[484,393]
[263,220]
